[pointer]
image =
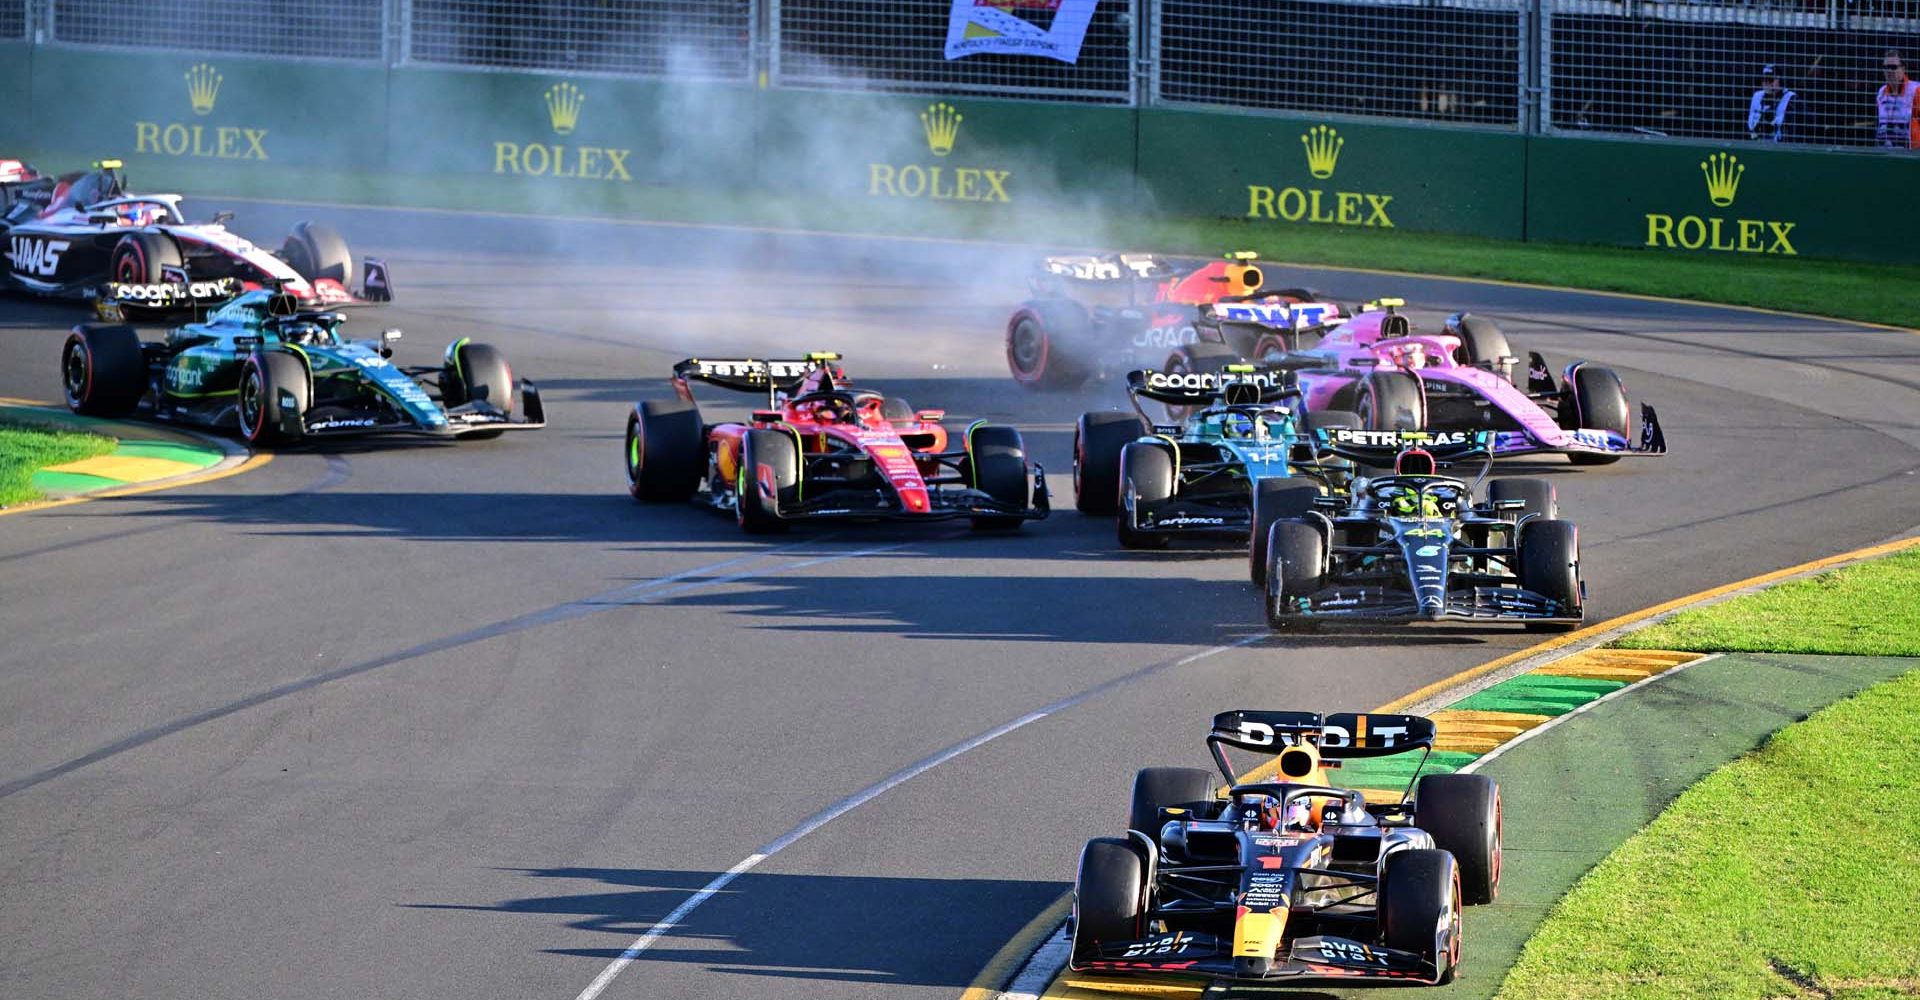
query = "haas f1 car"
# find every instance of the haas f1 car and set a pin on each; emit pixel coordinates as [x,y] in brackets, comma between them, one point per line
[1092,316]
[824,449]
[1243,457]
[85,236]
[1416,546]
[1290,879]
[1460,379]
[276,372]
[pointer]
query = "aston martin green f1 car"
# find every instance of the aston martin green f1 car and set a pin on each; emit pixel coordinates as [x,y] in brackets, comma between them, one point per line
[276,372]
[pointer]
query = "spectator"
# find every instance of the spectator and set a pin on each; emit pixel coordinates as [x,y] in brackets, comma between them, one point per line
[1899,111]
[1768,109]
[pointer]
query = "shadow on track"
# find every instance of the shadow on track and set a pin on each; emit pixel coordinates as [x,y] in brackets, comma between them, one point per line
[824,927]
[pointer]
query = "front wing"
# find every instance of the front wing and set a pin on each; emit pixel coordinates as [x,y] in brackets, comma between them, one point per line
[1320,958]
[468,418]
[1588,440]
[944,501]
[1378,604]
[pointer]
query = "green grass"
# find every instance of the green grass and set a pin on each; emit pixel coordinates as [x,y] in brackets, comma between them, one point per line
[1868,609]
[25,449]
[1794,871]
[1880,293]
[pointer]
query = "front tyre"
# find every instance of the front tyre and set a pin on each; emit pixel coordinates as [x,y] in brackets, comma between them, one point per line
[1420,907]
[1097,442]
[1146,477]
[1296,569]
[1109,892]
[316,251]
[1599,402]
[997,463]
[1550,564]
[769,476]
[1392,401]
[1274,500]
[262,414]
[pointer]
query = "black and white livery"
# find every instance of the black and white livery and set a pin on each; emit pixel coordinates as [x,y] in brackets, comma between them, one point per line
[85,236]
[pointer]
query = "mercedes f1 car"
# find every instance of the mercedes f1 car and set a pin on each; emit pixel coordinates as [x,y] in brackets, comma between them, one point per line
[1416,546]
[85,236]
[1241,459]
[1093,316]
[1461,379]
[1290,879]
[824,449]
[277,372]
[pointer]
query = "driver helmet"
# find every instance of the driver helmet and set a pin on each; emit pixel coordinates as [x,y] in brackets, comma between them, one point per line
[832,410]
[1410,502]
[303,333]
[140,215]
[1239,425]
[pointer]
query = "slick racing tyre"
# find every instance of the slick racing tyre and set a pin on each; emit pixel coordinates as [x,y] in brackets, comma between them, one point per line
[1420,907]
[261,412]
[997,464]
[1097,441]
[666,451]
[315,251]
[1273,500]
[1537,494]
[769,462]
[1043,338]
[1146,475]
[1462,811]
[1157,788]
[1550,564]
[1598,401]
[1109,892]
[1481,341]
[102,371]
[143,258]
[1392,401]
[476,371]
[1296,568]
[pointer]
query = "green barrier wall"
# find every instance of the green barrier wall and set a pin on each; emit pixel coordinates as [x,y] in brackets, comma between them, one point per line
[1733,199]
[1283,172]
[568,145]
[993,155]
[256,114]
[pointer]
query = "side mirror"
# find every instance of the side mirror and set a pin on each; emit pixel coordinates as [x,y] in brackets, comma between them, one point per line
[768,416]
[388,338]
[1509,504]
[222,218]
[102,219]
[930,416]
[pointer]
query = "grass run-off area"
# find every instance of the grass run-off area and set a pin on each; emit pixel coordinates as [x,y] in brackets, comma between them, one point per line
[1867,609]
[1794,871]
[26,449]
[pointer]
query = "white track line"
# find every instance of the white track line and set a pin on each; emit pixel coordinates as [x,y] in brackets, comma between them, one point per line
[868,794]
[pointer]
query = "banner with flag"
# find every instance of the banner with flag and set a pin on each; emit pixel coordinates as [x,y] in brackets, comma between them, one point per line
[1050,28]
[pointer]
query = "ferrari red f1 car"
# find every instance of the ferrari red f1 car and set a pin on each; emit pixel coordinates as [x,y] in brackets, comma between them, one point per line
[1092,316]
[85,236]
[1290,879]
[1460,378]
[824,449]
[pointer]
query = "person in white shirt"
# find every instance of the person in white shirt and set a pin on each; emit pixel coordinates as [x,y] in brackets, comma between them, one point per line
[1767,111]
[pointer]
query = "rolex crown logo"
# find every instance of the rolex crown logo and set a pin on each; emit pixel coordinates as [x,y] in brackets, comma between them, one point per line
[563,106]
[1323,150]
[1723,172]
[942,123]
[203,87]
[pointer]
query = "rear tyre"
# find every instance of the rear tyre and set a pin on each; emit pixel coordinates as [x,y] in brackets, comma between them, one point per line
[1273,500]
[997,461]
[1462,811]
[142,258]
[1097,441]
[1481,341]
[1550,564]
[1157,788]
[1599,402]
[1420,905]
[1108,892]
[769,461]
[316,251]
[1146,476]
[1538,494]
[1391,401]
[103,372]
[1042,338]
[1296,568]
[666,447]
[258,406]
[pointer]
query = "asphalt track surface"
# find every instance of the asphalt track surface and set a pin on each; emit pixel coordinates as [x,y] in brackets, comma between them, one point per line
[462,720]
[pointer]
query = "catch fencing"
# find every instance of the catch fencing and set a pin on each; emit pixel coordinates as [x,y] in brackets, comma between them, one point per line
[1683,70]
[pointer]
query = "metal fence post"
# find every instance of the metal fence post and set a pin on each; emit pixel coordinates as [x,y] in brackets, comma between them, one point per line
[1543,66]
[1532,59]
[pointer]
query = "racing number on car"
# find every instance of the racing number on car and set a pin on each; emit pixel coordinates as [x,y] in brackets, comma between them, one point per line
[37,256]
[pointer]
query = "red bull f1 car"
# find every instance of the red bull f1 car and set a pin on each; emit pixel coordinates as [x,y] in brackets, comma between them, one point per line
[823,449]
[85,235]
[1287,878]
[1095,316]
